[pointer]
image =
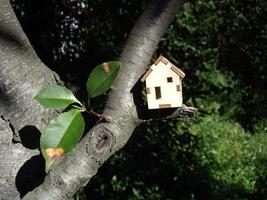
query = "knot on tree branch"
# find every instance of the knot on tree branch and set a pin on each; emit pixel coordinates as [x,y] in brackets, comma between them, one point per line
[58,182]
[100,143]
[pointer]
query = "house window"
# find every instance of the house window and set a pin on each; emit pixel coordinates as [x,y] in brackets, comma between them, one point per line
[169,79]
[178,87]
[157,92]
[148,90]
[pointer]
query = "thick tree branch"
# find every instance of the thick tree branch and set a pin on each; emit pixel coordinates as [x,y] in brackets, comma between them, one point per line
[22,75]
[77,168]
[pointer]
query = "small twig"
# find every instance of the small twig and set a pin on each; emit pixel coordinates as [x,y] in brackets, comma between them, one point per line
[183,112]
[100,116]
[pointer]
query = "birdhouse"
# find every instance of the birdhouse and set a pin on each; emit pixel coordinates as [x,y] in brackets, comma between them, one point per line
[163,85]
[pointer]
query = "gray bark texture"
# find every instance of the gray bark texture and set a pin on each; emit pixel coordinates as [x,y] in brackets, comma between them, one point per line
[22,74]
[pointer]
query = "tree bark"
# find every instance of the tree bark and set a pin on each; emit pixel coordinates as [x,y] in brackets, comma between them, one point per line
[77,168]
[22,75]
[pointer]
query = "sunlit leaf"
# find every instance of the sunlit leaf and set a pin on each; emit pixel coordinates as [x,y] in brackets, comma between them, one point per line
[61,135]
[55,96]
[102,78]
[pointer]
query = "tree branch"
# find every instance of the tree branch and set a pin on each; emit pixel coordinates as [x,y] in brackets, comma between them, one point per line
[183,112]
[77,168]
[22,75]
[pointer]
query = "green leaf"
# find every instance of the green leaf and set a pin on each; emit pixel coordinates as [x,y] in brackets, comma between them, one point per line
[101,78]
[55,96]
[63,132]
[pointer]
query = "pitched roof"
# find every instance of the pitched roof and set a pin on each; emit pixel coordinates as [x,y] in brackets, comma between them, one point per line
[165,61]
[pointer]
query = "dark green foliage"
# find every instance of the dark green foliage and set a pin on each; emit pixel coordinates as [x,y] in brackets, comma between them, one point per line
[209,159]
[223,46]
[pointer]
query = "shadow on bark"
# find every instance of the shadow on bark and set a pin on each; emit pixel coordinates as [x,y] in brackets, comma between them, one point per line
[32,173]
[9,37]
[30,137]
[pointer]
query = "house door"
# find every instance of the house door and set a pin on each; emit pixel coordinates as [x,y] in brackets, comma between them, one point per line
[157,92]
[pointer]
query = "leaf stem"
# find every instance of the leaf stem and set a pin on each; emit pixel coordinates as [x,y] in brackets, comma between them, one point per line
[103,117]
[100,116]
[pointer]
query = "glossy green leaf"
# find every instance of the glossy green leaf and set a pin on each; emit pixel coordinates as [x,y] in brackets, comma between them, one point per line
[63,132]
[55,96]
[102,77]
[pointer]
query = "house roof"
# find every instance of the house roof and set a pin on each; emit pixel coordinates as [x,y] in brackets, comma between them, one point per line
[166,62]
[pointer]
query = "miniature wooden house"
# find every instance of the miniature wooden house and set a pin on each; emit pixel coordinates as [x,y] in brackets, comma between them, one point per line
[163,85]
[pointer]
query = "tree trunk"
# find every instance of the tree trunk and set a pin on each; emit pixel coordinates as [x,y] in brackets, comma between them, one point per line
[22,74]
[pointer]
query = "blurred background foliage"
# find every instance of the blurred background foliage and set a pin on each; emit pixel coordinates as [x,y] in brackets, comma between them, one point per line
[222,48]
